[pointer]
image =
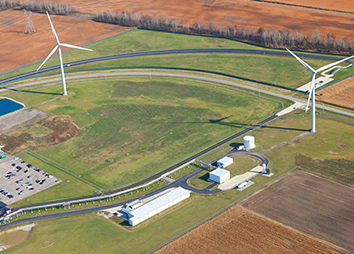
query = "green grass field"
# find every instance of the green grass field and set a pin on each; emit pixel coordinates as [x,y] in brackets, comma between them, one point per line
[139,41]
[143,125]
[285,71]
[85,228]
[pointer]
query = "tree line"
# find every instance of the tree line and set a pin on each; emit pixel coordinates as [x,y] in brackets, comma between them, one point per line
[270,38]
[39,6]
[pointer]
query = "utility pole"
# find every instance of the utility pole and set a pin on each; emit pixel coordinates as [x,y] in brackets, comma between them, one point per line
[29,25]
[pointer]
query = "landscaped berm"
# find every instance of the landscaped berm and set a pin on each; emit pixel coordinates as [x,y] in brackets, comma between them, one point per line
[143,125]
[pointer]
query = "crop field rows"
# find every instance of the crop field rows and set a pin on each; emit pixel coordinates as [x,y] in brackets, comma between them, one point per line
[310,204]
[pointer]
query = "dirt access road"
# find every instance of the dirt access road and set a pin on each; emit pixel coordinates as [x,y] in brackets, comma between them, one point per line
[310,204]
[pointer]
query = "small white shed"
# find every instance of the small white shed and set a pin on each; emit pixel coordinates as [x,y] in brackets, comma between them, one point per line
[219,175]
[224,162]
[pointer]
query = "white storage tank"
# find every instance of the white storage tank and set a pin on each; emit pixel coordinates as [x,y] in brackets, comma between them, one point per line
[248,142]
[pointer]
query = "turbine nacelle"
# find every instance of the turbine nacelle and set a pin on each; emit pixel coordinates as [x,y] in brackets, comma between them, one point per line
[60,57]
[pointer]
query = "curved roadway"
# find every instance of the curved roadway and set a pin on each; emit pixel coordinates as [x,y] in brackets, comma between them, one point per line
[165,52]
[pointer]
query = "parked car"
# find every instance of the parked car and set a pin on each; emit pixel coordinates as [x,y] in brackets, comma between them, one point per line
[10,196]
[37,180]
[18,167]
[18,188]
[25,171]
[20,192]
[13,164]
[29,166]
[42,181]
[29,176]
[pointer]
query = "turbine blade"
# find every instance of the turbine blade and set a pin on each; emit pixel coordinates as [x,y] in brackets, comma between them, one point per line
[50,54]
[74,47]
[333,64]
[301,61]
[311,88]
[55,34]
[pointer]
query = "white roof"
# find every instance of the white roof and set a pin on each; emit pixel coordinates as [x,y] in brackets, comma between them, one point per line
[225,159]
[158,202]
[219,172]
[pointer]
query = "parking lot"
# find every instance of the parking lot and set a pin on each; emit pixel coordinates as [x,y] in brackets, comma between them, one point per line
[19,180]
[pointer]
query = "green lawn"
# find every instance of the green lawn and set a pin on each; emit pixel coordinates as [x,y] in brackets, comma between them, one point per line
[144,125]
[285,71]
[138,41]
[109,236]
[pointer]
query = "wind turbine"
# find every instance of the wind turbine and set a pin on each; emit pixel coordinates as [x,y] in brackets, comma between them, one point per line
[60,57]
[312,88]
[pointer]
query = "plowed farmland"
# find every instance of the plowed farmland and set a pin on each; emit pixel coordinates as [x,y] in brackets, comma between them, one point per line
[18,49]
[340,94]
[240,231]
[342,5]
[244,13]
[310,204]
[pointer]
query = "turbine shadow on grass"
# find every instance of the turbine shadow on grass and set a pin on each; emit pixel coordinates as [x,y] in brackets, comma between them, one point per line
[240,125]
[30,91]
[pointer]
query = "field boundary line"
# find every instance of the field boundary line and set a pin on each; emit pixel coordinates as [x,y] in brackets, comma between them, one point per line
[58,167]
[325,176]
[213,215]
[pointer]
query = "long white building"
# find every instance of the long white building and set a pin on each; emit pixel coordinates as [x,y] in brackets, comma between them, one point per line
[157,205]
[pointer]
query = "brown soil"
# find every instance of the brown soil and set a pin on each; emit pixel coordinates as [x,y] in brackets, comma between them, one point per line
[342,5]
[310,204]
[18,49]
[240,231]
[245,13]
[61,128]
[340,94]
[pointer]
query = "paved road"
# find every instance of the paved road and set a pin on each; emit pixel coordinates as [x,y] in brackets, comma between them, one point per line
[165,52]
[181,182]
[188,76]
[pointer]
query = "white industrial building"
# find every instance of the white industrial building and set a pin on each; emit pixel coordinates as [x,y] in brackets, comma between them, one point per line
[157,205]
[219,175]
[248,142]
[224,162]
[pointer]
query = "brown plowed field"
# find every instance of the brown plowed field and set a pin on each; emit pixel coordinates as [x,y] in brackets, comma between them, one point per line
[18,49]
[310,204]
[341,94]
[240,231]
[342,5]
[245,13]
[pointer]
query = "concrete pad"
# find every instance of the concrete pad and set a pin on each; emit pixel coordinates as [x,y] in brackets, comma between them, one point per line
[291,108]
[318,83]
[236,180]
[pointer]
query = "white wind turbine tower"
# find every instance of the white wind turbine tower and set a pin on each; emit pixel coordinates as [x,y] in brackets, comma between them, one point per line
[312,88]
[60,57]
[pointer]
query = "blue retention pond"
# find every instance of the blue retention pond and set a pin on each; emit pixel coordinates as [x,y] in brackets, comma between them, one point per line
[7,106]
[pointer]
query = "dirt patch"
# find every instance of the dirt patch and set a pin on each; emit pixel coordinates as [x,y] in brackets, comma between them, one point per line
[62,128]
[35,47]
[244,13]
[310,204]
[240,231]
[340,94]
[342,145]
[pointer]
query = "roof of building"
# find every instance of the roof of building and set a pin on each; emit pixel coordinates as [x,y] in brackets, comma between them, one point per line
[225,159]
[219,172]
[158,202]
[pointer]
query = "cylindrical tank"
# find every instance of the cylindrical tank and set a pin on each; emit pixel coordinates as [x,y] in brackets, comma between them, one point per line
[248,142]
